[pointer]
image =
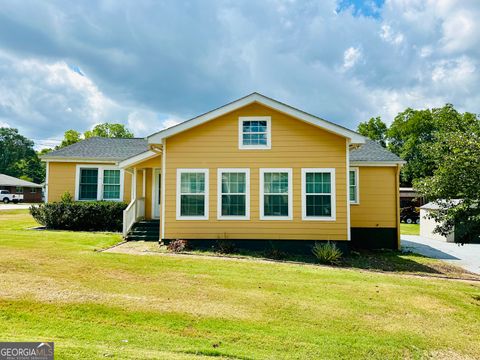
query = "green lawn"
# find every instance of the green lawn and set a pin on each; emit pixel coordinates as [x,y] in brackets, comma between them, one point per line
[409,229]
[54,286]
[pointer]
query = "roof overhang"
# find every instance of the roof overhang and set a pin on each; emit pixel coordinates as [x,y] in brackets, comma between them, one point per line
[78,160]
[354,137]
[137,159]
[377,163]
[32,185]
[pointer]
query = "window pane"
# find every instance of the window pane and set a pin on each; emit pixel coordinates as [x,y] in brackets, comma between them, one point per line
[318,205]
[352,177]
[192,183]
[111,177]
[353,193]
[88,184]
[192,205]
[275,205]
[233,205]
[254,132]
[276,183]
[318,183]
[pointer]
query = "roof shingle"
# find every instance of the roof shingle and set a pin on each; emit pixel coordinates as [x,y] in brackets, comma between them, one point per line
[115,149]
[372,151]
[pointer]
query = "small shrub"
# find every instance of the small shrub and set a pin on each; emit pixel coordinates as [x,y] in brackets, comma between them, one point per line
[80,216]
[327,253]
[225,246]
[66,198]
[177,245]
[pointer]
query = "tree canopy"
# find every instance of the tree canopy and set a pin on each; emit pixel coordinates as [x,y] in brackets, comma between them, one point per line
[17,156]
[109,131]
[106,130]
[374,129]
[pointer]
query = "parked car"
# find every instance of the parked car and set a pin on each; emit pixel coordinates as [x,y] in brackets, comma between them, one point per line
[6,197]
[410,215]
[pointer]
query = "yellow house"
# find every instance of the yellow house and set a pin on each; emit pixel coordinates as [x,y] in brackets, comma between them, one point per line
[252,171]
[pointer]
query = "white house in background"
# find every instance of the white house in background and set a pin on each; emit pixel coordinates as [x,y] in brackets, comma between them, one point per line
[427,225]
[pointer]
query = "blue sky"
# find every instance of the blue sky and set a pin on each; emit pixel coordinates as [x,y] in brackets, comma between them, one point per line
[151,64]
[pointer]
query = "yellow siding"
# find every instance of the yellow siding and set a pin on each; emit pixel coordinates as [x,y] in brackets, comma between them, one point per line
[61,178]
[295,145]
[378,198]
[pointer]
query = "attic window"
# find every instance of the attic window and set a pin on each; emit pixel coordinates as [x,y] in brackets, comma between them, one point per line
[254,132]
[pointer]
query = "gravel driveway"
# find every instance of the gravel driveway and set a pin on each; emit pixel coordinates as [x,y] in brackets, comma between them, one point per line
[466,256]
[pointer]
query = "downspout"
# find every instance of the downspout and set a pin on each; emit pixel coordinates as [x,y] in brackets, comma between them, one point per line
[397,195]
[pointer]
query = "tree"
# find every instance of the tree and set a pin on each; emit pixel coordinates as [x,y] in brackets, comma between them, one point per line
[374,129]
[69,137]
[455,183]
[109,131]
[13,148]
[413,132]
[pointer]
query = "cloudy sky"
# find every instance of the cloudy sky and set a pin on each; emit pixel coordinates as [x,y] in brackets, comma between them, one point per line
[149,64]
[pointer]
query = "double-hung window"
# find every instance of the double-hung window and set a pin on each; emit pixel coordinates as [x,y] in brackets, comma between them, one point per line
[192,194]
[254,132]
[88,187]
[275,194]
[111,184]
[353,186]
[318,194]
[99,183]
[233,194]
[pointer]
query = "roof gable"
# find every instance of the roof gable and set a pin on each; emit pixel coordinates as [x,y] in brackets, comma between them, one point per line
[354,137]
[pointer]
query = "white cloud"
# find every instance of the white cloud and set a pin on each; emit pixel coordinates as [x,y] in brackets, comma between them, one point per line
[391,36]
[150,64]
[350,57]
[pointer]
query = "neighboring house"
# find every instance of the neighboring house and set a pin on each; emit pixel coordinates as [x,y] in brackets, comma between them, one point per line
[252,171]
[31,192]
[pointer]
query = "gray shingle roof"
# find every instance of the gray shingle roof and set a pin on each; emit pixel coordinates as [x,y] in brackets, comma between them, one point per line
[114,149]
[6,180]
[372,151]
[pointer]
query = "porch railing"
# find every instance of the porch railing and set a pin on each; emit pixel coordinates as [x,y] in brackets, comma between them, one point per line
[134,212]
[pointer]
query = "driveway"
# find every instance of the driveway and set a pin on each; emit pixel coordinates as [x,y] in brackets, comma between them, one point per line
[14,206]
[466,256]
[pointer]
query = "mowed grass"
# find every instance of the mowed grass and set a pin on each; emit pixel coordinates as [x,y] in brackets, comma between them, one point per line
[409,229]
[54,286]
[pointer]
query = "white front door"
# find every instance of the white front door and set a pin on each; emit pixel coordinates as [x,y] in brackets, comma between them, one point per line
[157,185]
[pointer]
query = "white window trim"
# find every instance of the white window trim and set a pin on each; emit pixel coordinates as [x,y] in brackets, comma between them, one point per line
[100,168]
[219,193]
[332,194]
[290,194]
[241,119]
[357,186]
[206,194]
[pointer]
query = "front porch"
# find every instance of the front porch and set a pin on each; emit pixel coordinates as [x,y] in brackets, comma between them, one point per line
[141,219]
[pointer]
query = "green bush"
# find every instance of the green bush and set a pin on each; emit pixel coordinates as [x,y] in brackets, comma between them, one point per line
[80,216]
[327,253]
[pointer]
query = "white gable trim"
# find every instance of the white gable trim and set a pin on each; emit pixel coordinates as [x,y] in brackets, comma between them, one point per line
[137,159]
[255,97]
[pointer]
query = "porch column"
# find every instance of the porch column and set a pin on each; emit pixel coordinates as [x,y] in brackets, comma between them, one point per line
[144,185]
[134,184]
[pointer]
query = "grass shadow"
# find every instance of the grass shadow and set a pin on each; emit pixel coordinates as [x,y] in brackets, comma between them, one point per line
[389,260]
